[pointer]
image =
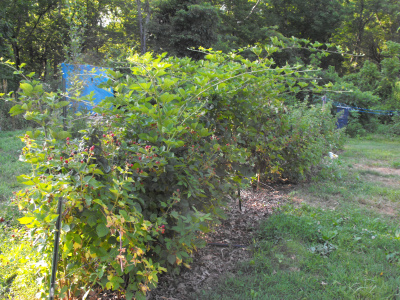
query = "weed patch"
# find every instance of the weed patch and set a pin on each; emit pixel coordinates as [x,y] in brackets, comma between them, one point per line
[18,265]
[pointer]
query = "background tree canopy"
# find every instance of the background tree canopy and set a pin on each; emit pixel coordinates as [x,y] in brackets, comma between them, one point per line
[41,34]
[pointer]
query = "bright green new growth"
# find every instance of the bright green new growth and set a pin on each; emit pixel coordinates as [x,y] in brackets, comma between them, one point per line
[150,172]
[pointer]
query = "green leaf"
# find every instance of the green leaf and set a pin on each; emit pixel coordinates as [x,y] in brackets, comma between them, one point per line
[25,180]
[317,44]
[88,199]
[140,296]
[182,92]
[62,135]
[144,136]
[124,214]
[26,220]
[36,134]
[257,51]
[129,295]
[97,171]
[204,132]
[63,103]
[145,85]
[174,144]
[102,230]
[109,285]
[166,97]
[54,134]
[16,110]
[27,88]
[115,192]
[171,259]
[38,88]
[98,201]
[168,83]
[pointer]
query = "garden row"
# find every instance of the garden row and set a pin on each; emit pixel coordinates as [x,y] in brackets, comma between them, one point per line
[149,173]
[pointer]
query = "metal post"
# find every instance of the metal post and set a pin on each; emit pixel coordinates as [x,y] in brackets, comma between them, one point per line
[55,250]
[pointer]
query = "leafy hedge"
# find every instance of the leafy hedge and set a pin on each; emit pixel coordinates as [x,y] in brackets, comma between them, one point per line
[149,174]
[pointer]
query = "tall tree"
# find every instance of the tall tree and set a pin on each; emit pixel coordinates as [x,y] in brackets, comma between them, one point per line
[246,22]
[367,25]
[178,25]
[143,25]
[23,22]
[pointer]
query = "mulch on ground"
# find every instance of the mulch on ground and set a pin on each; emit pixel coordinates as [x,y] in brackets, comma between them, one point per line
[230,243]
[225,246]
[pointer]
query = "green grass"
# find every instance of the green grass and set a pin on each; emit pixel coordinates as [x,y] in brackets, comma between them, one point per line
[375,150]
[357,179]
[17,260]
[10,166]
[343,242]
[310,253]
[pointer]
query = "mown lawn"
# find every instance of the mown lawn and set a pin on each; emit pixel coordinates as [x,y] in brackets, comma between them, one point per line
[341,242]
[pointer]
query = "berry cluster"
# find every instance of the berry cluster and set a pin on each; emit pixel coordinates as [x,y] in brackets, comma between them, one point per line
[161,228]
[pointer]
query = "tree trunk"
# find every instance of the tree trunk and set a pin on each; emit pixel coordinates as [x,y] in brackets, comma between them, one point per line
[17,59]
[146,24]
[141,29]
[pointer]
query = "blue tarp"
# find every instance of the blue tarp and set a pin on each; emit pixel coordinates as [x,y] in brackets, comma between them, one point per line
[344,117]
[367,110]
[91,77]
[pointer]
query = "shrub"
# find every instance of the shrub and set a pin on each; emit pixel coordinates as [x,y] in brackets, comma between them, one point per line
[148,175]
[311,136]
[393,128]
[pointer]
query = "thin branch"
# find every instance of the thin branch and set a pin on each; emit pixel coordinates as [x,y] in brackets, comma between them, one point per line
[15,69]
[258,1]
[40,16]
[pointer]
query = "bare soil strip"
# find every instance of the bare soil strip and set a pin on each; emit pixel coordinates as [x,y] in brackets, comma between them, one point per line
[230,243]
[211,262]
[384,171]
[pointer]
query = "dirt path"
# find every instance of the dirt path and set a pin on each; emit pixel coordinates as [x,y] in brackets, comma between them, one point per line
[232,237]
[382,170]
[230,243]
